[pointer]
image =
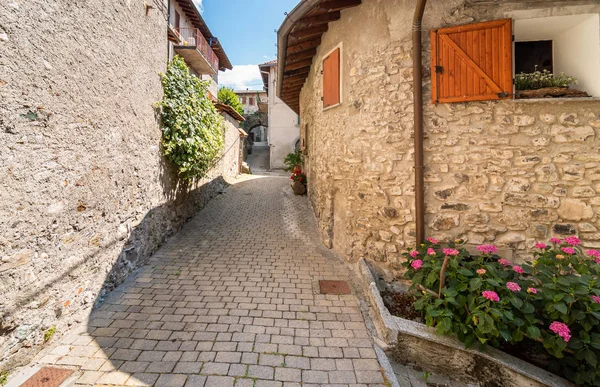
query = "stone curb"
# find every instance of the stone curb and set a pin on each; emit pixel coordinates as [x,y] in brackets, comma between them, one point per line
[386,327]
[388,371]
[390,327]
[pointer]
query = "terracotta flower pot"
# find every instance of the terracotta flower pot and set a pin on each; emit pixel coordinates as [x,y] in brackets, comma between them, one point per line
[298,188]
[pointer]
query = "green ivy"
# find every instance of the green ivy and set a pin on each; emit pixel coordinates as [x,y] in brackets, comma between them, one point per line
[193,133]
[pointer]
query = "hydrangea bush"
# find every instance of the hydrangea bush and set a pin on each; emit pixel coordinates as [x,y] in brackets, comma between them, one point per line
[486,300]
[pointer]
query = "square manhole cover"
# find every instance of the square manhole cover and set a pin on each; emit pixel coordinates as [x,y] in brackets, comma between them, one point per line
[334,287]
[48,377]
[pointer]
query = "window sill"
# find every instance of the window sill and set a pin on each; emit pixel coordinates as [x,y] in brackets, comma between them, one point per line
[332,106]
[556,100]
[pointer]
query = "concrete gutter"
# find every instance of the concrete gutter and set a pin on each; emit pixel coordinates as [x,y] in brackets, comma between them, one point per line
[283,32]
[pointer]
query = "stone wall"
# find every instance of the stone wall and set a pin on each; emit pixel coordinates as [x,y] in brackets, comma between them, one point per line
[86,195]
[508,172]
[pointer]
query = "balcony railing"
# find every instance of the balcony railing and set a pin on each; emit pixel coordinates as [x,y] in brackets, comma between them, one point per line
[193,38]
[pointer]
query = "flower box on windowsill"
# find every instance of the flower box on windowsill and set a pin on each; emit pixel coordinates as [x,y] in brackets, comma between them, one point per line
[551,92]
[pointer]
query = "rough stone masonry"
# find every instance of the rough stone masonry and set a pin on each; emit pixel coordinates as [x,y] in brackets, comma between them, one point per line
[508,172]
[86,195]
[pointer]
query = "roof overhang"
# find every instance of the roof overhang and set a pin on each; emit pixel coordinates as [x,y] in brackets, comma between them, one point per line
[191,11]
[297,42]
[229,110]
[265,69]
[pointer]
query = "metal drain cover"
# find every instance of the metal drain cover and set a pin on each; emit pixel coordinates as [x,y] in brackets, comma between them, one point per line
[48,377]
[334,287]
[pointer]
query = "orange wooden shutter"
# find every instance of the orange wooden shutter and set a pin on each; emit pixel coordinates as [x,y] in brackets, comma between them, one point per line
[472,62]
[331,79]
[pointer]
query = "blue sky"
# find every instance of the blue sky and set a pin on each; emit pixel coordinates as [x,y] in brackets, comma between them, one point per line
[246,30]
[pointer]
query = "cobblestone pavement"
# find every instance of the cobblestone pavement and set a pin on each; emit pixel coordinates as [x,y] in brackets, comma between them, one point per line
[259,159]
[232,299]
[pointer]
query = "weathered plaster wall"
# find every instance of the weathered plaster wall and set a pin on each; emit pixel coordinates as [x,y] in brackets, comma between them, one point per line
[500,172]
[284,130]
[86,195]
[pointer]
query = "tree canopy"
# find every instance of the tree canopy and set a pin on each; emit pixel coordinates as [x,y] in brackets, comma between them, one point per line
[227,96]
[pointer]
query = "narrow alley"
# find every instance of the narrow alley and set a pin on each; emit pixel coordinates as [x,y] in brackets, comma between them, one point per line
[233,299]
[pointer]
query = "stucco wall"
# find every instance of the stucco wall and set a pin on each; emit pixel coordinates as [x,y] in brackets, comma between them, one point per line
[283,125]
[504,172]
[86,195]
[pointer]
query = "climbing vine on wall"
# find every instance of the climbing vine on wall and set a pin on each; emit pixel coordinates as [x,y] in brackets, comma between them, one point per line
[192,127]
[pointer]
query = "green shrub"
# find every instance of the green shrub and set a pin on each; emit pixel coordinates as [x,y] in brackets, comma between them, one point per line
[192,127]
[227,96]
[4,377]
[293,160]
[541,79]
[486,300]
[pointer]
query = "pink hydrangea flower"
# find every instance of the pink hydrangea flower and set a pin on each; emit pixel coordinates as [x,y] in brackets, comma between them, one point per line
[504,262]
[573,241]
[556,240]
[532,290]
[568,250]
[540,245]
[430,251]
[513,286]
[481,271]
[450,252]
[596,299]
[561,329]
[414,253]
[518,269]
[490,295]
[593,253]
[487,249]
[432,240]
[598,261]
[417,264]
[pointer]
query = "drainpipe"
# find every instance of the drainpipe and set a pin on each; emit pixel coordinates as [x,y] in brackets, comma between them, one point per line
[418,120]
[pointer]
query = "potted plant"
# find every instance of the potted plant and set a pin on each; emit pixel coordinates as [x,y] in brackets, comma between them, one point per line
[293,161]
[298,181]
[544,84]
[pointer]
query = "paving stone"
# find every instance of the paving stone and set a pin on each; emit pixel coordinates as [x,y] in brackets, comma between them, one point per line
[195,381]
[171,380]
[219,381]
[288,374]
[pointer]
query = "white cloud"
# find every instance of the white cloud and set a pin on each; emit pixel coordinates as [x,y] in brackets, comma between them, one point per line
[199,5]
[242,77]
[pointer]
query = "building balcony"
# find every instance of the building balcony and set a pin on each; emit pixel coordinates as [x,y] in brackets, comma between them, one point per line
[196,51]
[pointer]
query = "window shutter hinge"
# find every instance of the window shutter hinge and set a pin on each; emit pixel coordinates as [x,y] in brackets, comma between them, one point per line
[439,69]
[322,99]
[513,38]
[504,94]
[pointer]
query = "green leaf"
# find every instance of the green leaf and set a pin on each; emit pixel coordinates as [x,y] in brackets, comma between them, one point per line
[533,333]
[528,308]
[591,358]
[517,302]
[465,272]
[561,307]
[475,283]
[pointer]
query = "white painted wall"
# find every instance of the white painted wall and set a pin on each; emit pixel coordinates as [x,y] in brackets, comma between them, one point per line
[576,45]
[284,130]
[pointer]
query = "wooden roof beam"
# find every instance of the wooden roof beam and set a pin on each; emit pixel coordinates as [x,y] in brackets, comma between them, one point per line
[307,45]
[298,65]
[295,72]
[336,5]
[311,31]
[301,56]
[320,19]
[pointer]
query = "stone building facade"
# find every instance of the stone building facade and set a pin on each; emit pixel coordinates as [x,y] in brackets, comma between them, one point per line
[505,172]
[86,194]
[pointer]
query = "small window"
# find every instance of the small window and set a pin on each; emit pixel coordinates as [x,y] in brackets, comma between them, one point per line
[177,19]
[243,100]
[561,44]
[251,101]
[533,56]
[331,79]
